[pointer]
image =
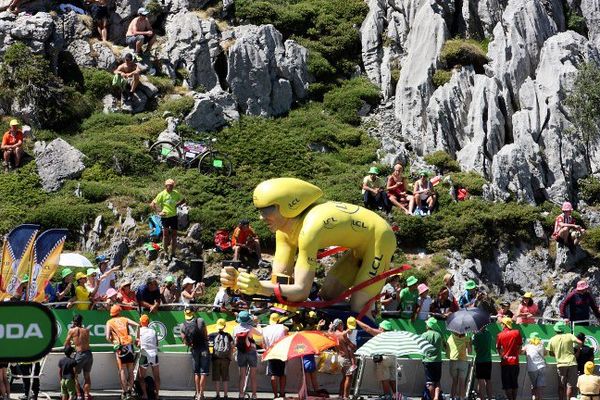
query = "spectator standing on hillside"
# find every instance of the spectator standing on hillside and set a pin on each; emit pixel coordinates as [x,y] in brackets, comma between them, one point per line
[148,295]
[99,12]
[165,203]
[508,345]
[396,190]
[195,336]
[449,284]
[244,238]
[527,310]
[275,368]
[562,346]
[584,354]
[482,345]
[409,298]
[432,362]
[536,364]
[148,342]
[12,146]
[576,306]
[373,190]
[458,347]
[589,383]
[223,347]
[566,231]
[117,333]
[140,32]
[130,73]
[247,356]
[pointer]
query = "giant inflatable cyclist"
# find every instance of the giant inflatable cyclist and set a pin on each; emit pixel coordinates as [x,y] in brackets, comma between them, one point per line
[302,225]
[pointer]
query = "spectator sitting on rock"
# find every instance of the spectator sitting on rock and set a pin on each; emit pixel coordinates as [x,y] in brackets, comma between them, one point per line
[396,190]
[140,32]
[244,237]
[423,193]
[373,190]
[12,146]
[566,231]
[576,306]
[130,72]
[99,12]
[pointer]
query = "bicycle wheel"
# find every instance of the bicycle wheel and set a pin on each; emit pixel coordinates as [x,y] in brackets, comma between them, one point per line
[216,163]
[166,152]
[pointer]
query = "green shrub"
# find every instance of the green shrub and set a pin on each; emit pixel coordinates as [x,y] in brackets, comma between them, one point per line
[63,212]
[463,52]
[575,22]
[179,107]
[441,77]
[97,82]
[470,180]
[590,241]
[442,161]
[164,84]
[346,100]
[589,189]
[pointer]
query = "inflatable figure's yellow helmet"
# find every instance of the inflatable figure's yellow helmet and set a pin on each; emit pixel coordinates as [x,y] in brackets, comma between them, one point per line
[291,195]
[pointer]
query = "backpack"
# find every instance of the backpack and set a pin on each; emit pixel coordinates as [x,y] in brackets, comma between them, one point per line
[193,333]
[222,241]
[242,342]
[222,345]
[155,225]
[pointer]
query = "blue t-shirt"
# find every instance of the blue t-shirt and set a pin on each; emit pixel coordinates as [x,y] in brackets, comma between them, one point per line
[50,292]
[147,295]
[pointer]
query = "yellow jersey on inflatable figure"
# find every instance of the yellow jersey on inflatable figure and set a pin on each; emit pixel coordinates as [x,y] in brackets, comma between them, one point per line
[302,226]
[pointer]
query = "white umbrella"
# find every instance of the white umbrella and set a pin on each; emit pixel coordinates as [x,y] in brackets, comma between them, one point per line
[74,260]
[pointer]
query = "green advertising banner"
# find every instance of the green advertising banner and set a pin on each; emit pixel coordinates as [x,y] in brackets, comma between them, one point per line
[165,323]
[27,331]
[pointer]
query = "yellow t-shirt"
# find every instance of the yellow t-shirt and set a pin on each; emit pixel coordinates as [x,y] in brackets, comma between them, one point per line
[458,347]
[563,347]
[167,202]
[82,294]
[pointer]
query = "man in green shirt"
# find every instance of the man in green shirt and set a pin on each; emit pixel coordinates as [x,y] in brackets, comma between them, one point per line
[432,362]
[482,345]
[165,204]
[408,298]
[563,346]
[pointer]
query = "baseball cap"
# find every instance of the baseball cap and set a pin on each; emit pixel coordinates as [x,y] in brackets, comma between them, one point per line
[528,295]
[187,280]
[351,323]
[221,324]
[14,122]
[101,258]
[115,310]
[143,11]
[144,320]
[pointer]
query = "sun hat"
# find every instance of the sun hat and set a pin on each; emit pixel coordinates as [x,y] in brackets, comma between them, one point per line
[169,279]
[91,271]
[567,206]
[560,327]
[422,288]
[588,368]
[144,320]
[424,172]
[143,11]
[528,295]
[189,314]
[115,310]
[243,317]
[125,283]
[187,281]
[169,182]
[65,272]
[80,275]
[25,278]
[221,323]
[507,321]
[582,285]
[431,323]
[111,292]
[411,280]
[448,277]
[470,284]
[274,318]
[14,122]
[386,325]
[374,171]
[351,323]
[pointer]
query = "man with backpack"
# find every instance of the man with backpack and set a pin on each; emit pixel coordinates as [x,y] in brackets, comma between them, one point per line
[223,346]
[246,357]
[194,335]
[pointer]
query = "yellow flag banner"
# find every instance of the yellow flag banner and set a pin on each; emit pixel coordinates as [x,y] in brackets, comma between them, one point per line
[46,252]
[16,258]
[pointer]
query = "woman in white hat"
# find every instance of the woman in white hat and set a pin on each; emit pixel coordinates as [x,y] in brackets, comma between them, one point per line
[190,290]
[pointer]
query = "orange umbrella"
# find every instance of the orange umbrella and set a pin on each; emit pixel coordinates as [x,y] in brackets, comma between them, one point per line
[299,344]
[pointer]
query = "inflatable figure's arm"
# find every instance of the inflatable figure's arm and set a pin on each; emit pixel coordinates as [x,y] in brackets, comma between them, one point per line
[283,261]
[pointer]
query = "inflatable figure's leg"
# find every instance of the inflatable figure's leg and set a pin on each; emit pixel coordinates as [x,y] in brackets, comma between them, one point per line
[340,277]
[375,261]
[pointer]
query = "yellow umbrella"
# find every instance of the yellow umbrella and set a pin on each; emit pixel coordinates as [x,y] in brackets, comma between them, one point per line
[299,344]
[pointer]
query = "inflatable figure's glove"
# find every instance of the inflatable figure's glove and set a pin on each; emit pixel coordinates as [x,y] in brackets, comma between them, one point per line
[248,283]
[228,277]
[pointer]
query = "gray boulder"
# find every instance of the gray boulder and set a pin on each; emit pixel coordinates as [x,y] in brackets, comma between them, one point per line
[170,133]
[35,31]
[56,162]
[212,110]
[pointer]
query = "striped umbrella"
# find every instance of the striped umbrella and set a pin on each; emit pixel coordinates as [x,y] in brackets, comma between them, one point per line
[396,343]
[299,344]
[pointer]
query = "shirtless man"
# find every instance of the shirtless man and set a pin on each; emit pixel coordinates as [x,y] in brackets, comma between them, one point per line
[79,337]
[131,72]
[140,32]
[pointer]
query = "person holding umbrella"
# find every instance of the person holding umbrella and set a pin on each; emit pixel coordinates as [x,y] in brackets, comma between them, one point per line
[508,345]
[432,362]
[383,369]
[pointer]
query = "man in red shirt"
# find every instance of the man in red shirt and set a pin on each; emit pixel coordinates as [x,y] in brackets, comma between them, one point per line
[508,344]
[245,237]
[12,146]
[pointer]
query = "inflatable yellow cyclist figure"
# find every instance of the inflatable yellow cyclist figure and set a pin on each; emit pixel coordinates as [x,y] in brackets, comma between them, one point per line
[302,225]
